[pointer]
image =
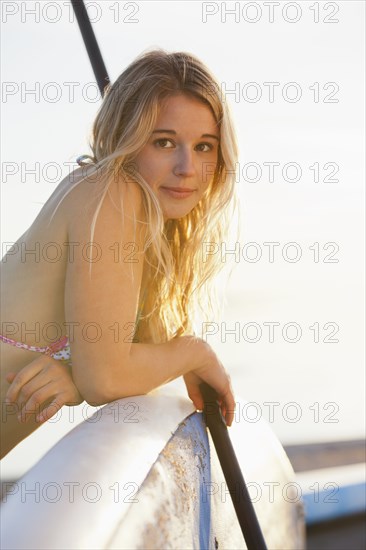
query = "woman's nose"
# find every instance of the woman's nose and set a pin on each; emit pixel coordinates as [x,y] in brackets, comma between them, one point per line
[184,164]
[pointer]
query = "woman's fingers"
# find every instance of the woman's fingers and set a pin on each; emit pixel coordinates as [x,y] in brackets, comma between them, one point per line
[46,401]
[32,404]
[56,404]
[51,409]
[225,399]
[192,382]
[41,388]
[30,393]
[23,377]
[10,377]
[228,407]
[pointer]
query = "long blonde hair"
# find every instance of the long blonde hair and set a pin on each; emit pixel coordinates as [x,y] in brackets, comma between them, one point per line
[180,278]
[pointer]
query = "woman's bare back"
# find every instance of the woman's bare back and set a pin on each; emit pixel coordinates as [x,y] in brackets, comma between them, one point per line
[32,293]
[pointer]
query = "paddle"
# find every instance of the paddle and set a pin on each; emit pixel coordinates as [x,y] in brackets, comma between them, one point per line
[234,478]
[214,420]
[91,45]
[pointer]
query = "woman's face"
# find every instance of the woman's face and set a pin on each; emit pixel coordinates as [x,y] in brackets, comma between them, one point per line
[179,159]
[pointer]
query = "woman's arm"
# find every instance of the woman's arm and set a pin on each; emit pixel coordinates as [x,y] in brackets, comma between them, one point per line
[151,365]
[107,365]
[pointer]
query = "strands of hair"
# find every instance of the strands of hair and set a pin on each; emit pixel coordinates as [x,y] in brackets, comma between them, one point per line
[181,285]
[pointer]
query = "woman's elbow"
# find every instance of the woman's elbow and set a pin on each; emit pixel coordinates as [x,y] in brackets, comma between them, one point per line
[93,396]
[97,394]
[99,389]
[94,391]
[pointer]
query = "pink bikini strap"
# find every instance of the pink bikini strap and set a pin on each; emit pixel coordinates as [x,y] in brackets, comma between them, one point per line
[47,350]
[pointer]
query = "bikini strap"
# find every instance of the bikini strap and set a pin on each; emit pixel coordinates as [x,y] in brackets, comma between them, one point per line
[47,350]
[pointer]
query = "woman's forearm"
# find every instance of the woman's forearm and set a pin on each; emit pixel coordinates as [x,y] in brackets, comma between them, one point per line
[148,367]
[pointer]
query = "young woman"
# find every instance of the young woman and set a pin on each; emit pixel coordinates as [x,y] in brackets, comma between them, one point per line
[112,272]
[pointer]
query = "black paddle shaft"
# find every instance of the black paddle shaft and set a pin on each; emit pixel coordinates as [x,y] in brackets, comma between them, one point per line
[234,478]
[214,420]
[91,45]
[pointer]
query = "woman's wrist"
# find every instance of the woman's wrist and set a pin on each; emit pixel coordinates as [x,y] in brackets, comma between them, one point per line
[199,352]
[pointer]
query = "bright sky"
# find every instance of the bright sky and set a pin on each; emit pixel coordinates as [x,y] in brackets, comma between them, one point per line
[294,80]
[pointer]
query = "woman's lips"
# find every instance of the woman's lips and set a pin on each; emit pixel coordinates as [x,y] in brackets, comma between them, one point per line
[178,192]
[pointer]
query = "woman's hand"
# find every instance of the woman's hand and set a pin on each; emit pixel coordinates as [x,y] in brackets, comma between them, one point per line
[213,373]
[42,388]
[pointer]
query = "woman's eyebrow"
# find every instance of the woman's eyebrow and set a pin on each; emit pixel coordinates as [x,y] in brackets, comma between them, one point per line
[160,130]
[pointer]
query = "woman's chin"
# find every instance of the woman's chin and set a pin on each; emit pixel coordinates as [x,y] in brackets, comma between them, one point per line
[177,214]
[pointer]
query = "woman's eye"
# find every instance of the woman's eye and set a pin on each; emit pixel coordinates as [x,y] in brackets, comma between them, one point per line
[161,142]
[165,143]
[208,146]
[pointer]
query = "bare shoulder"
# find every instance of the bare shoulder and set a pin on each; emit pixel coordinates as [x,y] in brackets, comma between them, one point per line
[84,190]
[107,212]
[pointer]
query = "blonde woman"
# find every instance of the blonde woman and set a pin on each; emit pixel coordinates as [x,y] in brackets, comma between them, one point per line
[120,275]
